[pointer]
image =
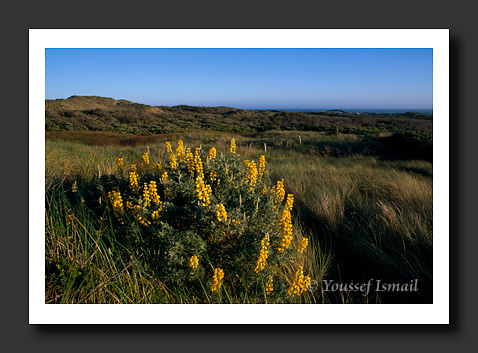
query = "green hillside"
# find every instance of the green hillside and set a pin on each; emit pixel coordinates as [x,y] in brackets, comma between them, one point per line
[81,113]
[83,103]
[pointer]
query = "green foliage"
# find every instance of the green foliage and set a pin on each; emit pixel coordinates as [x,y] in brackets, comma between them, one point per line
[366,216]
[106,114]
[165,234]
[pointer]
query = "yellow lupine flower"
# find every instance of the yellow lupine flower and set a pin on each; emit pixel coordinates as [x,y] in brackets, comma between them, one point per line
[134,179]
[303,245]
[155,216]
[270,286]
[262,166]
[180,151]
[221,213]
[146,196]
[212,153]
[172,162]
[279,191]
[153,192]
[233,146]
[300,283]
[168,146]
[289,202]
[251,174]
[190,160]
[203,191]
[120,163]
[261,261]
[217,279]
[198,163]
[164,178]
[286,223]
[146,158]
[143,221]
[193,262]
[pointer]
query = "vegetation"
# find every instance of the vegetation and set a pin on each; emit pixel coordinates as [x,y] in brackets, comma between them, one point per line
[196,228]
[360,208]
[106,114]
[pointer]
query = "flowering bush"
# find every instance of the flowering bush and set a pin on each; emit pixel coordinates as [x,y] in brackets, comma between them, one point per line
[207,222]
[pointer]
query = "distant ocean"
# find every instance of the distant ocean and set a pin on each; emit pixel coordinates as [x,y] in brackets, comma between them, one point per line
[371,110]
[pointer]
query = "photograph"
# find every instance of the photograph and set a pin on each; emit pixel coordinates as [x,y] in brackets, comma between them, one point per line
[240,172]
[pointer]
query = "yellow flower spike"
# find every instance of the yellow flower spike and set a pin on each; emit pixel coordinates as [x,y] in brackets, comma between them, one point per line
[261,261]
[262,166]
[198,163]
[251,174]
[217,280]
[193,262]
[146,195]
[233,146]
[134,179]
[270,286]
[116,203]
[146,158]
[120,163]
[300,283]
[172,162]
[279,191]
[289,202]
[303,245]
[212,153]
[155,216]
[168,147]
[221,213]
[164,178]
[286,223]
[190,161]
[180,151]
[153,192]
[203,191]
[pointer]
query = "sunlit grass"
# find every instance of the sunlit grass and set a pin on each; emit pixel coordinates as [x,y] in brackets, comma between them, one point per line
[364,216]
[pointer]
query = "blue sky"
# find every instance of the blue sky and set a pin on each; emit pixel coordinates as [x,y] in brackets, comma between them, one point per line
[247,78]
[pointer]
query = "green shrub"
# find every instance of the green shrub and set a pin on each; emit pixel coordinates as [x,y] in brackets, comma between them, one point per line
[218,209]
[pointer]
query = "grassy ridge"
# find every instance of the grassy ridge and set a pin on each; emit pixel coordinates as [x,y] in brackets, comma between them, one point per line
[366,216]
[79,113]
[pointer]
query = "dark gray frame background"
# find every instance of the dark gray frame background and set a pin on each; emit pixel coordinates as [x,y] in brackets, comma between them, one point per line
[457,16]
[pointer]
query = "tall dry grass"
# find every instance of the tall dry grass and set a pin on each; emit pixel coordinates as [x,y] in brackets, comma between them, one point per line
[366,217]
[378,215]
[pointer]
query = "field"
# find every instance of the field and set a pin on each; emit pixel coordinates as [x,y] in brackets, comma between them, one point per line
[363,201]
